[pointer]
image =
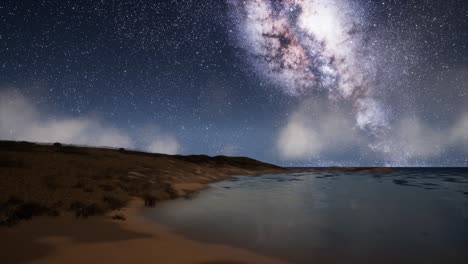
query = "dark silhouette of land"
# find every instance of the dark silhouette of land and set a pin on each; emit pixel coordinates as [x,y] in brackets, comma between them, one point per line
[40,179]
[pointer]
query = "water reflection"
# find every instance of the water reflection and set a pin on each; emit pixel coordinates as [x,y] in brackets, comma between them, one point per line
[408,216]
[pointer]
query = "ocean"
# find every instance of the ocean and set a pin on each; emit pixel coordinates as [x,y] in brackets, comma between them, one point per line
[412,215]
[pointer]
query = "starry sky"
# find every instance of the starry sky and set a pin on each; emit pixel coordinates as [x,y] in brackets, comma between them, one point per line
[293,82]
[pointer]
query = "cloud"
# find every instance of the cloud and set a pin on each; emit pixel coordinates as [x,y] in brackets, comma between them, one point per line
[319,133]
[313,130]
[412,141]
[20,119]
[459,132]
[410,138]
[152,138]
[299,140]
[164,144]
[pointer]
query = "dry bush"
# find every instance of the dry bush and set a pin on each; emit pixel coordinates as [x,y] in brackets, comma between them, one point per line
[150,200]
[113,202]
[83,210]
[15,210]
[120,217]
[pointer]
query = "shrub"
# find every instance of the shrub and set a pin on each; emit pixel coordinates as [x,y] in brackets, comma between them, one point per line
[57,144]
[16,210]
[113,202]
[167,187]
[120,217]
[76,205]
[28,210]
[83,210]
[150,200]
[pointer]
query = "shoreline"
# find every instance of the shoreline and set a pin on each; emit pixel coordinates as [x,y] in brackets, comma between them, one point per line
[183,189]
[134,240]
[86,186]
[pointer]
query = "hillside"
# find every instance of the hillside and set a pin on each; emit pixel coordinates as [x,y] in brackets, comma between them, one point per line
[40,179]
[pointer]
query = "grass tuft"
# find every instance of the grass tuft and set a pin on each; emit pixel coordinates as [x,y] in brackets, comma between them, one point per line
[120,217]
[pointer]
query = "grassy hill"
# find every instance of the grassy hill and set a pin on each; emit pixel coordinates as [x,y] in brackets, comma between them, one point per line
[40,179]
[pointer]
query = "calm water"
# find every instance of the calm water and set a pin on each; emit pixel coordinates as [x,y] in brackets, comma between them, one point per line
[413,215]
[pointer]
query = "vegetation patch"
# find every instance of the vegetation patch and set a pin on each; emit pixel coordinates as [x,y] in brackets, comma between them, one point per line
[119,217]
[38,179]
[150,200]
[15,210]
[113,203]
[83,210]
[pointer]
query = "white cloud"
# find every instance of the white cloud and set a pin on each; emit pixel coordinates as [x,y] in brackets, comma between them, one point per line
[20,119]
[152,138]
[412,141]
[459,132]
[315,129]
[164,144]
[299,140]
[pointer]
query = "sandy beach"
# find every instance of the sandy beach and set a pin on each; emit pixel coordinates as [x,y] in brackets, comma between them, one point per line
[101,239]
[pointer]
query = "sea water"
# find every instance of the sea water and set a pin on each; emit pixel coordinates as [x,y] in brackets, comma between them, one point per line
[411,215]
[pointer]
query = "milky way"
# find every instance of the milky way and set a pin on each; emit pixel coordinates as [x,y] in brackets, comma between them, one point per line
[309,47]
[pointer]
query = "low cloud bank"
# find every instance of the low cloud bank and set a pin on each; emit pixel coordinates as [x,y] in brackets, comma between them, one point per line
[164,144]
[459,132]
[21,119]
[412,140]
[317,131]
[313,130]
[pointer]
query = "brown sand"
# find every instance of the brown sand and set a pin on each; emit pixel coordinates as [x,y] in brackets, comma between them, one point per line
[100,239]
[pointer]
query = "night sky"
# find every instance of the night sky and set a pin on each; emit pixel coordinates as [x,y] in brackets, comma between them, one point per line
[293,82]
